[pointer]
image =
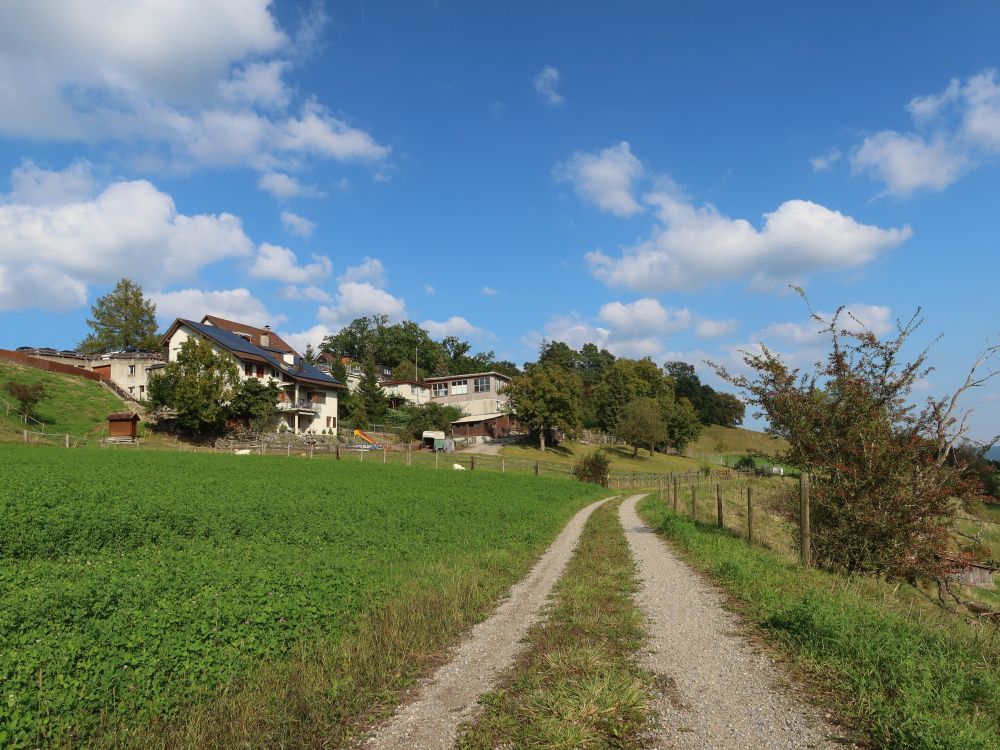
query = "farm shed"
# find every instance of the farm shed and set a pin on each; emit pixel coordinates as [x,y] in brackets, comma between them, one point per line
[122,424]
[971,573]
[492,425]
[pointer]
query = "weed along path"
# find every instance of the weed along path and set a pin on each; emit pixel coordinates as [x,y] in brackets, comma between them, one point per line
[720,691]
[449,697]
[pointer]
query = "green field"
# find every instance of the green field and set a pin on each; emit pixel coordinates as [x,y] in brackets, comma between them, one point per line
[75,406]
[134,587]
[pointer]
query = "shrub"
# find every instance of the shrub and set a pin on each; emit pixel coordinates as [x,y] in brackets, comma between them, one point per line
[593,468]
[745,463]
[27,396]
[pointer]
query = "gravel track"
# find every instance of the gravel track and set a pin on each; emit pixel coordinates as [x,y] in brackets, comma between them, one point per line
[450,697]
[719,691]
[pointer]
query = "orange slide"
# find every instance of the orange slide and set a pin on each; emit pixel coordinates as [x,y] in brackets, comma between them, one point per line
[363,436]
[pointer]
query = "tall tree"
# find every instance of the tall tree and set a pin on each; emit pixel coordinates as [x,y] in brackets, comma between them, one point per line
[122,319]
[544,398]
[625,381]
[197,387]
[642,423]
[28,395]
[683,425]
[372,403]
[254,405]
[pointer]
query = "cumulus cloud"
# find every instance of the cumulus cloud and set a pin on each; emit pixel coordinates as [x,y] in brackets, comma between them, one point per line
[605,178]
[823,162]
[296,224]
[454,326]
[301,293]
[127,229]
[200,82]
[954,131]
[545,84]
[279,263]
[708,329]
[284,187]
[697,245]
[488,291]
[36,186]
[370,270]
[300,340]
[429,289]
[356,299]
[234,304]
[855,317]
[644,316]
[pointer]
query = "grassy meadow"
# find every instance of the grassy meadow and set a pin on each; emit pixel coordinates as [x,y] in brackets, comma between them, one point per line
[163,599]
[885,658]
[73,405]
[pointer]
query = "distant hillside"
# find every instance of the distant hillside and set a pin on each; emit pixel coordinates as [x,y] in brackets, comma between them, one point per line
[726,441]
[73,405]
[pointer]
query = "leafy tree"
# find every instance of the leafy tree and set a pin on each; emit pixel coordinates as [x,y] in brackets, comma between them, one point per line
[372,403]
[683,425]
[27,396]
[123,319]
[887,484]
[310,357]
[544,398]
[198,388]
[254,404]
[431,416]
[625,381]
[559,354]
[712,406]
[641,422]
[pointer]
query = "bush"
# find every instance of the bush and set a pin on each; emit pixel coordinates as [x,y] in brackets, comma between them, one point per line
[745,463]
[593,468]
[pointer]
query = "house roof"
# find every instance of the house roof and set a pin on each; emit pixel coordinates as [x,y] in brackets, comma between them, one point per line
[479,417]
[123,416]
[403,382]
[276,342]
[468,375]
[246,350]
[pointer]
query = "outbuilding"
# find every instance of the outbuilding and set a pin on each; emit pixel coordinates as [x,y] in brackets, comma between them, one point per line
[123,424]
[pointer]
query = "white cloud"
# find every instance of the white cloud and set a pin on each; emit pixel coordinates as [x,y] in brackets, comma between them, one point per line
[907,162]
[284,186]
[355,300]
[199,82]
[279,263]
[488,291]
[370,270]
[234,304]
[299,341]
[605,179]
[823,162]
[644,316]
[429,289]
[35,186]
[708,329]
[128,229]
[454,326]
[855,317]
[36,285]
[694,246]
[296,224]
[299,293]
[955,130]
[572,330]
[545,84]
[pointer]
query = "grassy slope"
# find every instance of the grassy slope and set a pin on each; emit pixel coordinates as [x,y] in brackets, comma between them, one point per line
[570,451]
[283,598]
[73,405]
[733,442]
[577,685]
[909,675]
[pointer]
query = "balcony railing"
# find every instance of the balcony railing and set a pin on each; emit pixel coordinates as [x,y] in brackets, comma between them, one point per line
[301,405]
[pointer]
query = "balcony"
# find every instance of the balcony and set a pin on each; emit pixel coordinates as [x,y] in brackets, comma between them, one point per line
[301,405]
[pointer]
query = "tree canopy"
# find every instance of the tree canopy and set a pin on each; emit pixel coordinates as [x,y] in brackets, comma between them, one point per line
[545,398]
[198,388]
[122,319]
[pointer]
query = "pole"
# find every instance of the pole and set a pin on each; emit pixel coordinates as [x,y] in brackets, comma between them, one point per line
[409,454]
[503,465]
[718,503]
[311,446]
[661,486]
[677,488]
[472,466]
[385,452]
[67,440]
[749,514]
[338,451]
[536,467]
[694,498]
[436,459]
[804,519]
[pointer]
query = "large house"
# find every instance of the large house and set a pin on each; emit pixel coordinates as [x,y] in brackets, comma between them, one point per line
[478,396]
[307,400]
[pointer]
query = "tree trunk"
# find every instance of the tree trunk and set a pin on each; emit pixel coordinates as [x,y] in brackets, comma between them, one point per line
[541,440]
[651,446]
[635,451]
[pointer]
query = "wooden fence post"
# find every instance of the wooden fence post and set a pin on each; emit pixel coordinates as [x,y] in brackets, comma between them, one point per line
[694,498]
[749,514]
[67,440]
[472,464]
[385,452]
[804,519]
[718,503]
[661,486]
[338,451]
[26,436]
[311,446]
[677,487]
[409,454]
[503,465]
[536,468]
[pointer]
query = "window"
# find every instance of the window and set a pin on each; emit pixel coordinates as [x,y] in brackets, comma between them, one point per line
[248,370]
[459,387]
[483,385]
[331,422]
[356,369]
[131,389]
[142,389]
[131,369]
[260,371]
[413,390]
[386,372]
[440,389]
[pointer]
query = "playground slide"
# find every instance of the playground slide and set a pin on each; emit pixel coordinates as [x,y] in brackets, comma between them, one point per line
[363,436]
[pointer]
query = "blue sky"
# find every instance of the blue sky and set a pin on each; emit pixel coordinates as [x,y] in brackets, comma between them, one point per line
[650,176]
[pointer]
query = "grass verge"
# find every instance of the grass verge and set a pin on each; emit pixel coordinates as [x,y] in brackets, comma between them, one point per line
[904,676]
[578,684]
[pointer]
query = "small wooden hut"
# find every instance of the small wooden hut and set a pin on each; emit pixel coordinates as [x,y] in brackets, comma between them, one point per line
[122,425]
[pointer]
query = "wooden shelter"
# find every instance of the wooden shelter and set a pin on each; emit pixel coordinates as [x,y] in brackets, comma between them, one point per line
[122,424]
